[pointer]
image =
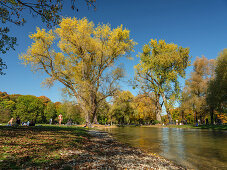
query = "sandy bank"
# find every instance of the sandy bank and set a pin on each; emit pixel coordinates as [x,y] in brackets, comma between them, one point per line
[103,152]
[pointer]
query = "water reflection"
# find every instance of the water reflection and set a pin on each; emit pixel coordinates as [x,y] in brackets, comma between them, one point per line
[194,148]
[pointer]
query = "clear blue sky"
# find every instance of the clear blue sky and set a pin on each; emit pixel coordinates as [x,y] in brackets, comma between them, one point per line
[200,25]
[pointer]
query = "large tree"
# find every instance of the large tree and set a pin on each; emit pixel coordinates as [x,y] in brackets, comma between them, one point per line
[195,91]
[14,11]
[217,86]
[160,66]
[85,60]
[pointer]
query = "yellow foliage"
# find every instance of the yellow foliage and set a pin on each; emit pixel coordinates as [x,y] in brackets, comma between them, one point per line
[85,58]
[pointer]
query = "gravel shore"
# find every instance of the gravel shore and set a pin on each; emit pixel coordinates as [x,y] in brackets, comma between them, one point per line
[103,152]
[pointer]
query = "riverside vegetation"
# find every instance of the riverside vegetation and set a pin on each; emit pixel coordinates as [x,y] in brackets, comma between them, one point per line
[86,62]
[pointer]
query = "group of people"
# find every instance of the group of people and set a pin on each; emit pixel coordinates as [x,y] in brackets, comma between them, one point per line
[32,123]
[18,122]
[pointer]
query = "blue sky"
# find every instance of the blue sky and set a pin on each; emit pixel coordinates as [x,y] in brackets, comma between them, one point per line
[200,25]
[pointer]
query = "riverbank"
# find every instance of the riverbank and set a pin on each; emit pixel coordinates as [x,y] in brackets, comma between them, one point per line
[62,147]
[214,127]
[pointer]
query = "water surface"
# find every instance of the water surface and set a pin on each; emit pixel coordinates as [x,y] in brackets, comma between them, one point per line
[193,148]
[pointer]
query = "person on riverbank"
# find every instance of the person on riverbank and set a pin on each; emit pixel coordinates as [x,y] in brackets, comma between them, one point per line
[60,118]
[50,121]
[18,121]
[10,123]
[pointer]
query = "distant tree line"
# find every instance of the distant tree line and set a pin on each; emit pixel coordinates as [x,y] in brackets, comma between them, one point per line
[39,109]
[204,97]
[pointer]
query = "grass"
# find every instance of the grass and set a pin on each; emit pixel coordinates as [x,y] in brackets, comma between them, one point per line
[38,146]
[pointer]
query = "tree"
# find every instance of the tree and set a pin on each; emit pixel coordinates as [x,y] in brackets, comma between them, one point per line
[44,99]
[13,11]
[4,96]
[144,105]
[6,110]
[122,109]
[2,65]
[5,115]
[160,66]
[196,86]
[103,111]
[85,64]
[50,111]
[217,90]
[8,105]
[29,107]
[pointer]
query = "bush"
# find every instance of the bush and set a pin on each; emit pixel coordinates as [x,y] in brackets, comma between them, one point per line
[156,122]
[5,115]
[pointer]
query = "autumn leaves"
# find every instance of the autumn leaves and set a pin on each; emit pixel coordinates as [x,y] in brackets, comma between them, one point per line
[85,57]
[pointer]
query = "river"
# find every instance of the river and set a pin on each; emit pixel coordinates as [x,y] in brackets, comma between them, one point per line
[192,148]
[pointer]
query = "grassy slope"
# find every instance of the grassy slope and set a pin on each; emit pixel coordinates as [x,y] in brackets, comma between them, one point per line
[22,147]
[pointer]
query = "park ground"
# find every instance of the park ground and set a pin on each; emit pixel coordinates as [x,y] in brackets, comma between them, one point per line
[74,147]
[70,147]
[214,127]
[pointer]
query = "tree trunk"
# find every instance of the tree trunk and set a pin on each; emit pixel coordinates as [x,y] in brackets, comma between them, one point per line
[169,116]
[211,116]
[158,115]
[167,108]
[94,106]
[94,114]
[196,118]
[158,109]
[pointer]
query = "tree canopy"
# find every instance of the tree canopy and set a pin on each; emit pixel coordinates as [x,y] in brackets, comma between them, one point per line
[14,11]
[160,66]
[85,60]
[217,90]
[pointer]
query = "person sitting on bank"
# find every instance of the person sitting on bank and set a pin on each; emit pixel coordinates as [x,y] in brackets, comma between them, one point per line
[10,123]
[18,121]
[32,123]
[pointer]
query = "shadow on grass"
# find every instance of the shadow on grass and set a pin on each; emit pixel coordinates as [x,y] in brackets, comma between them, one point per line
[38,146]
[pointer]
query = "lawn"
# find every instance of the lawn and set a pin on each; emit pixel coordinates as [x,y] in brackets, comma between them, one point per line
[39,146]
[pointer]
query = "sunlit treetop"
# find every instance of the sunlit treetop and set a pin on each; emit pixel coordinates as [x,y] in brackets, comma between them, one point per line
[85,59]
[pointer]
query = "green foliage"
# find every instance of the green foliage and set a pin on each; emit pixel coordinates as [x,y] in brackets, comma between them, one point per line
[5,115]
[39,109]
[85,62]
[50,111]
[69,110]
[29,108]
[156,122]
[103,113]
[217,88]
[160,66]
[2,66]
[122,107]
[8,105]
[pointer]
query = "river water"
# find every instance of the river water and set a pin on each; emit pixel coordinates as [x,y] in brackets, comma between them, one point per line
[192,148]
